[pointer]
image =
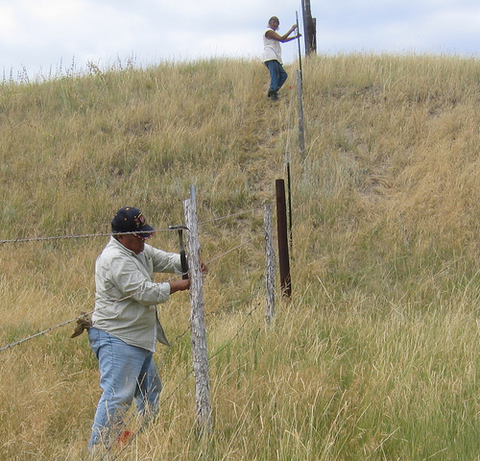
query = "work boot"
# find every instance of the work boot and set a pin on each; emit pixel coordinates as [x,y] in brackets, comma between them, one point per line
[273,95]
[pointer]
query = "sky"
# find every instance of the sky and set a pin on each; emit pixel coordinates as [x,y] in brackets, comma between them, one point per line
[48,38]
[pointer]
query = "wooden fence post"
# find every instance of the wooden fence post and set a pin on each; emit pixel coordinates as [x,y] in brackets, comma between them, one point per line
[301,124]
[197,317]
[285,279]
[309,28]
[270,266]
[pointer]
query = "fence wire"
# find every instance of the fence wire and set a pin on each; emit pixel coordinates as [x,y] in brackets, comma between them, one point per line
[162,358]
[67,322]
[108,234]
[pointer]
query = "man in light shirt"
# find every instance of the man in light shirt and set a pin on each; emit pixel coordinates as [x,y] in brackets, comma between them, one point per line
[272,55]
[125,325]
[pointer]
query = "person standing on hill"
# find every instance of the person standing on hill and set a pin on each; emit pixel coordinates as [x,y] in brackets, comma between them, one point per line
[272,55]
[125,326]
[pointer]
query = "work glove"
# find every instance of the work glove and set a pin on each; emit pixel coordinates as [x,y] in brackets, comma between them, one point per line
[83,323]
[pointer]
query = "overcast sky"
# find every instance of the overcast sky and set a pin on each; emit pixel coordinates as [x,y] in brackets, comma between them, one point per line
[47,37]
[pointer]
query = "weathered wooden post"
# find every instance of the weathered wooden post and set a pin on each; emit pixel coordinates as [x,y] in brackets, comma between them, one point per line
[285,279]
[270,266]
[299,47]
[197,317]
[301,124]
[309,28]
[289,189]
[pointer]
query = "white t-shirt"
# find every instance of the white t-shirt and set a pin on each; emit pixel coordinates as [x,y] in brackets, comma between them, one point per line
[271,49]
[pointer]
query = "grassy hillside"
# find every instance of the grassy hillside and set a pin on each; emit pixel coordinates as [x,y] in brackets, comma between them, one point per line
[374,357]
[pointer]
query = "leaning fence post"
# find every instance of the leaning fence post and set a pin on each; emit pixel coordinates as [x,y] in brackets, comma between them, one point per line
[197,317]
[270,266]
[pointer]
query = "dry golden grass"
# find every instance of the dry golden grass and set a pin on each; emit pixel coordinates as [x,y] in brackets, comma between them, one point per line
[375,356]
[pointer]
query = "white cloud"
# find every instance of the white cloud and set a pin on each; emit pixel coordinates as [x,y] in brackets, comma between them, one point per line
[437,26]
[50,12]
[7,20]
[42,33]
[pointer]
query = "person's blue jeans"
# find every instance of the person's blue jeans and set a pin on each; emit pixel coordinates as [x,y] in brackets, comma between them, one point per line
[278,76]
[126,372]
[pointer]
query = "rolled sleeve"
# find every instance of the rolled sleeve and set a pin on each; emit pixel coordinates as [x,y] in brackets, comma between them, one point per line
[136,285]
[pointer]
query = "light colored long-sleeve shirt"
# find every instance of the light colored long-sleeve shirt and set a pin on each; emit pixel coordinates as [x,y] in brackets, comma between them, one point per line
[126,295]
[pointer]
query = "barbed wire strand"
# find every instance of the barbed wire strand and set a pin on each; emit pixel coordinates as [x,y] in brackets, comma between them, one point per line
[233,249]
[230,216]
[66,237]
[107,234]
[83,315]
[43,332]
[208,314]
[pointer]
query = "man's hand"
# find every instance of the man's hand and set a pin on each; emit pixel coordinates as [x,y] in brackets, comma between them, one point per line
[179,285]
[184,284]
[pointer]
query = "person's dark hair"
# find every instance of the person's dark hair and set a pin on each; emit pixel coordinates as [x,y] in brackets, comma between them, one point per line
[274,18]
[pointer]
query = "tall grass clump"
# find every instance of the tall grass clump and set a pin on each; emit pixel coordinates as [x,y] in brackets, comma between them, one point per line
[374,357]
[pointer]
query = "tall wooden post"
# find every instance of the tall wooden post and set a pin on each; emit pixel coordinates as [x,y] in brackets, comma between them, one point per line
[299,47]
[285,279]
[301,122]
[309,28]
[270,266]
[289,200]
[197,317]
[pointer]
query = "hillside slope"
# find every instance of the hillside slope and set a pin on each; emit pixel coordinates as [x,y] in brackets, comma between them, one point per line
[374,357]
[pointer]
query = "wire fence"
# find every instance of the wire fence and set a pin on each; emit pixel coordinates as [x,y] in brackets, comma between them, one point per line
[248,315]
[167,398]
[86,314]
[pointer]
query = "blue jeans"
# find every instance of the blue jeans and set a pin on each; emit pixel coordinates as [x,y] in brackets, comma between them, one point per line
[277,75]
[126,372]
